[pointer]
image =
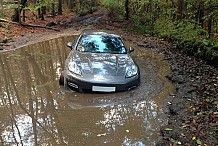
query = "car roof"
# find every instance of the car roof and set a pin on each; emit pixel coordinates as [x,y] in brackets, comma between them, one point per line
[99,32]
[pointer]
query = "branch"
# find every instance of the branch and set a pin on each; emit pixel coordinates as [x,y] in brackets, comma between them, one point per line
[4,20]
[39,26]
[28,25]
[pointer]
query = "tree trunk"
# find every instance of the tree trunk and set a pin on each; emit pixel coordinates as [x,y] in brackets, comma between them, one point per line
[43,11]
[127,10]
[39,10]
[201,13]
[180,9]
[59,7]
[209,27]
[39,13]
[16,16]
[71,4]
[91,6]
[23,3]
[24,15]
[53,8]
[42,15]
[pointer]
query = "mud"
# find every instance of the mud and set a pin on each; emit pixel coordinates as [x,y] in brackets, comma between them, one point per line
[43,113]
[193,118]
[192,109]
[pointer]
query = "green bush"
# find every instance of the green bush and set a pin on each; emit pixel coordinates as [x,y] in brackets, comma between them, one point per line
[177,30]
[164,28]
[139,25]
[116,7]
[189,37]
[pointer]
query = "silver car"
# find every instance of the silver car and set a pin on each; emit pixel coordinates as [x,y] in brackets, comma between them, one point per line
[99,61]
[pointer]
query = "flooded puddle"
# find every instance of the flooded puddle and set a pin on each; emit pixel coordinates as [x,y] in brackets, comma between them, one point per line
[35,110]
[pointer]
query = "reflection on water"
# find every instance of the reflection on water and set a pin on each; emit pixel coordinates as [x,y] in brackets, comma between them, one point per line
[35,110]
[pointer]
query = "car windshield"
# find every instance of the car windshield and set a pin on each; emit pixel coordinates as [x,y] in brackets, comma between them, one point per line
[97,43]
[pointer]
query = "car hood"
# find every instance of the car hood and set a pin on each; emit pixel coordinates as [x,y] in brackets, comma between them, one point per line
[102,64]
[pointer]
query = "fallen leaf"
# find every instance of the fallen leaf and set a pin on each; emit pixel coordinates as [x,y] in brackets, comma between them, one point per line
[199,142]
[178,142]
[194,121]
[168,129]
[101,134]
[193,138]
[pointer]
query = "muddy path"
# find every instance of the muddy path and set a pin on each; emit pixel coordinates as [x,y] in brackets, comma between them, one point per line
[191,111]
[44,113]
[66,27]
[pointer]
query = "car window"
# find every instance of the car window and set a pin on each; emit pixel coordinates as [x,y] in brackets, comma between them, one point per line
[101,44]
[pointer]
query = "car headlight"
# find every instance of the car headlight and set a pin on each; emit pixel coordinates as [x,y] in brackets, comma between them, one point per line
[131,71]
[72,66]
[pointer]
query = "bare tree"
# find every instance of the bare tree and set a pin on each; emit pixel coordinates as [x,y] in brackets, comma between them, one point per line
[60,7]
[127,9]
[180,9]
[16,15]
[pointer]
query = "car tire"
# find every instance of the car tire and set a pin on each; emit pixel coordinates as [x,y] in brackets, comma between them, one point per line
[61,80]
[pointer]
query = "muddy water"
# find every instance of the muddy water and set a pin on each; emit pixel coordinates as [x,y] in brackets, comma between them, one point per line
[35,110]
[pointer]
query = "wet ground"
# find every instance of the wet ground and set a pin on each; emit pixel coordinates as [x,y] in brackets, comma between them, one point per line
[35,110]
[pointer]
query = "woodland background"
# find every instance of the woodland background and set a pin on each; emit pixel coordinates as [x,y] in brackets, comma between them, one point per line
[189,24]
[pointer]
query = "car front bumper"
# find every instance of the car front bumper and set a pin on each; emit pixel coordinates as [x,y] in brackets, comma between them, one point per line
[85,86]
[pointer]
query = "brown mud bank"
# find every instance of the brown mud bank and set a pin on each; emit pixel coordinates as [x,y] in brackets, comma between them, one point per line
[192,110]
[193,117]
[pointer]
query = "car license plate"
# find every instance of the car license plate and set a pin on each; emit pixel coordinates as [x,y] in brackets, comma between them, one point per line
[103,89]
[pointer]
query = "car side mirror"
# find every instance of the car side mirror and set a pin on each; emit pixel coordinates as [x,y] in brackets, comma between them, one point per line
[70,44]
[131,49]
